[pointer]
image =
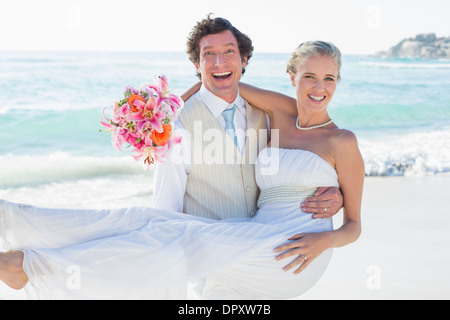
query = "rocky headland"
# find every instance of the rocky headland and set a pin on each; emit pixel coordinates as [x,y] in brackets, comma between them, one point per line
[426,46]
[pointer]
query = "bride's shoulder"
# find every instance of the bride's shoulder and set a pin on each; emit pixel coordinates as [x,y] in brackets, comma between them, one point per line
[346,154]
[345,150]
[344,135]
[344,139]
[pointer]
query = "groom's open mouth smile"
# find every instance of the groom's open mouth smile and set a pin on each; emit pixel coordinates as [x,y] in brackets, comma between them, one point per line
[222,75]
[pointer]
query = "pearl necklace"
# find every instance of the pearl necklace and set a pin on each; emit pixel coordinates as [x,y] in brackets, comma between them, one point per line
[313,127]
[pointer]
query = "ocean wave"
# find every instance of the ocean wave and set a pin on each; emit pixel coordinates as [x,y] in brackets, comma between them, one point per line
[27,170]
[415,154]
[4,110]
[415,165]
[93,193]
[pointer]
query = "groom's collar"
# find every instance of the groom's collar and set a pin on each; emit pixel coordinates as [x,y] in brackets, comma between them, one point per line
[217,105]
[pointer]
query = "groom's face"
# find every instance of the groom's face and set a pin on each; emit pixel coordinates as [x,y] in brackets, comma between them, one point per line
[221,64]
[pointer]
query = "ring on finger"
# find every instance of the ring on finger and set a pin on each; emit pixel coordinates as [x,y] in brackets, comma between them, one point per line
[303,256]
[324,210]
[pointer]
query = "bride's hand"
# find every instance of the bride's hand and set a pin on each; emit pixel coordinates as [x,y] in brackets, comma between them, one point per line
[305,247]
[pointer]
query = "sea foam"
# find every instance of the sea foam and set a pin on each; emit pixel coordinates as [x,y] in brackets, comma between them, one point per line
[413,154]
[31,170]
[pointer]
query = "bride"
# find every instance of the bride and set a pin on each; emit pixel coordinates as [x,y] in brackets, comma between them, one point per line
[134,252]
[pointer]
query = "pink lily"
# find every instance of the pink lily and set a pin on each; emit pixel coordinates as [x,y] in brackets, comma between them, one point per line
[174,102]
[151,111]
[161,85]
[139,104]
[117,138]
[175,138]
[157,154]
[105,121]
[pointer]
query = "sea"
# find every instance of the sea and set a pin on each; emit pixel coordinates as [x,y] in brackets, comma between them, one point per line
[53,153]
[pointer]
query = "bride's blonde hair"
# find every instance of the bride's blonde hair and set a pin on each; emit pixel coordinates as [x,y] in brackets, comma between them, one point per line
[313,48]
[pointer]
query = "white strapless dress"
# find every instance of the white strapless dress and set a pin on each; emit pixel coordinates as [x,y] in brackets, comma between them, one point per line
[137,253]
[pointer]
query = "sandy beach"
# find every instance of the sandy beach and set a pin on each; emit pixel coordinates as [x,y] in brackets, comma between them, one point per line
[403,250]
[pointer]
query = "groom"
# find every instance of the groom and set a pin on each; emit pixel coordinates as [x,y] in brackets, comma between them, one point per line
[217,184]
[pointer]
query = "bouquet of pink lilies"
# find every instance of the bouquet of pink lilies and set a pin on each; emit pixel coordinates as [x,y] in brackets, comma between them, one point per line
[143,119]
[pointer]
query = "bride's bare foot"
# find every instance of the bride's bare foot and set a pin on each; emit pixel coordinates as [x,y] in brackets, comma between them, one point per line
[11,269]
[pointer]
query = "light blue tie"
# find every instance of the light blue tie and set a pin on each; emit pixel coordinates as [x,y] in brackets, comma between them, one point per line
[228,114]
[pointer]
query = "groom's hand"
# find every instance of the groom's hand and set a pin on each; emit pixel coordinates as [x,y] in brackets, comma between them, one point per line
[325,203]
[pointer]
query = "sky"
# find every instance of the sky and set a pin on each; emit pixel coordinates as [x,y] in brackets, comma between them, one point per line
[355,26]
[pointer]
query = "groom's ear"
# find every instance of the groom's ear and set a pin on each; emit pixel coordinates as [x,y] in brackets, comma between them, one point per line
[244,62]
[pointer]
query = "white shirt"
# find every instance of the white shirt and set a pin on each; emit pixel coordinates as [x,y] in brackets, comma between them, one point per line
[170,177]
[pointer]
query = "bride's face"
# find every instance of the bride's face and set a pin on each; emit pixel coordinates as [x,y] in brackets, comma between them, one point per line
[315,82]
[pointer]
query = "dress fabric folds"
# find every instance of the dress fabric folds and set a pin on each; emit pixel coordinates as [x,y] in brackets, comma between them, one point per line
[146,253]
